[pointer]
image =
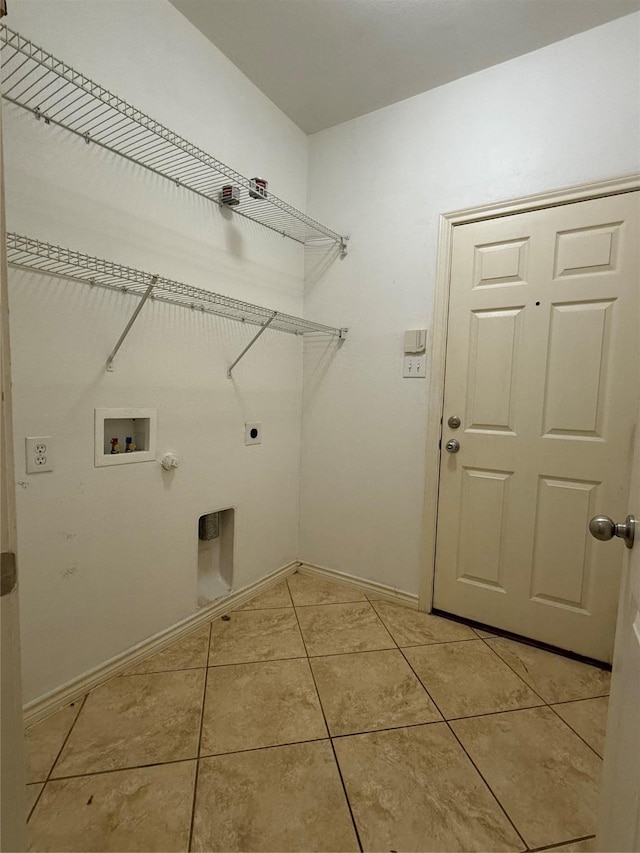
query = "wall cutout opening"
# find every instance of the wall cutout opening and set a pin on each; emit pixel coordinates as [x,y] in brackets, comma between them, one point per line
[215,555]
[124,435]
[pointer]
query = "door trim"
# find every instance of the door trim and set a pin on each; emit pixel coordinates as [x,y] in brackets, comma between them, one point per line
[448,221]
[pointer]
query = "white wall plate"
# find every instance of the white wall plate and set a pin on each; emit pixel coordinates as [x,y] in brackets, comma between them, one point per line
[142,423]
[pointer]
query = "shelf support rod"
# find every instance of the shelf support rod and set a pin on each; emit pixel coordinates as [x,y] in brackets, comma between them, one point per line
[262,329]
[134,317]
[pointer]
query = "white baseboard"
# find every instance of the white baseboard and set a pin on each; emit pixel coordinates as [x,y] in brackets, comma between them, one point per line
[371,588]
[50,702]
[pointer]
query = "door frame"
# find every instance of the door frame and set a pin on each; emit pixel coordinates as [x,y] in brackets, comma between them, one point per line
[439,326]
[12,766]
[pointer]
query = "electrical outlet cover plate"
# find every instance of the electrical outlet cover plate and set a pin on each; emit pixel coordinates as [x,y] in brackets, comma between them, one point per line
[39,453]
[253,433]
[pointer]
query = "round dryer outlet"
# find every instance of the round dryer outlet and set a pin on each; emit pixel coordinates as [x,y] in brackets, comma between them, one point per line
[253,433]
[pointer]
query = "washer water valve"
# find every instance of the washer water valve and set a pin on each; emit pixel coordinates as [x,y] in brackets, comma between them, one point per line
[169,461]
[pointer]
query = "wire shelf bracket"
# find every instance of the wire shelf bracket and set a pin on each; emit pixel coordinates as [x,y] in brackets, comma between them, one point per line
[134,317]
[57,94]
[251,343]
[31,254]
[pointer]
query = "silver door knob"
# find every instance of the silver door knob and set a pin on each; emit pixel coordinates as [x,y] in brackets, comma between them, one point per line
[452,446]
[603,528]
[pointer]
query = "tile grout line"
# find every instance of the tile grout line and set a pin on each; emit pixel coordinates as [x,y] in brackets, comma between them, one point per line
[55,761]
[331,603]
[290,743]
[446,722]
[386,728]
[573,701]
[270,589]
[286,583]
[341,735]
[346,795]
[333,750]
[241,663]
[409,665]
[246,662]
[544,701]
[421,645]
[261,748]
[157,671]
[195,779]
[485,640]
[273,606]
[125,769]
[197,757]
[186,760]
[440,643]
[384,625]
[561,843]
[545,704]
[329,736]
[335,654]
[302,657]
[549,704]
[37,800]
[275,745]
[493,713]
[444,719]
[312,604]
[577,733]
[489,788]
[394,649]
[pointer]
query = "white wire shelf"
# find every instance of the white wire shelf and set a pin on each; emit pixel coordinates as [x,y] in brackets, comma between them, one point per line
[57,94]
[31,254]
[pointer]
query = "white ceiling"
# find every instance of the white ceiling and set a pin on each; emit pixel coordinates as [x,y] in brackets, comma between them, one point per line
[326,61]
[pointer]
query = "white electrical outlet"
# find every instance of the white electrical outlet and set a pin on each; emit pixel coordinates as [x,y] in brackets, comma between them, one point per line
[39,451]
[253,433]
[414,367]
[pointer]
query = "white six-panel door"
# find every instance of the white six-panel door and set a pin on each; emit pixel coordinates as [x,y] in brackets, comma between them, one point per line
[542,372]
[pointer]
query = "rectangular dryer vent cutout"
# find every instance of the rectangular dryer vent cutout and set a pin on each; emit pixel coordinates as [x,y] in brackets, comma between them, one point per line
[215,555]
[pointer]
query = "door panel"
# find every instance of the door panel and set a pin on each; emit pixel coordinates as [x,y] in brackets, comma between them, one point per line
[567,545]
[500,264]
[579,343]
[495,341]
[585,251]
[483,503]
[541,370]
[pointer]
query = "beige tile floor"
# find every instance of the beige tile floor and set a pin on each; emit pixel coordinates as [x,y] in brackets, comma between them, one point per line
[318,719]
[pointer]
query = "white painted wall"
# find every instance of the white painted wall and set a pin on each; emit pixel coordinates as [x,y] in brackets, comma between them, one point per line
[108,556]
[563,115]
